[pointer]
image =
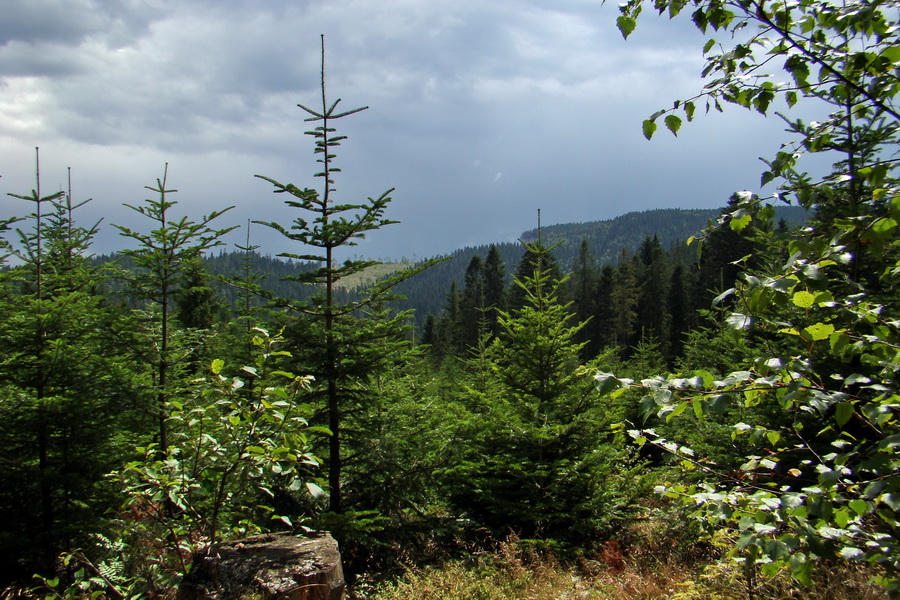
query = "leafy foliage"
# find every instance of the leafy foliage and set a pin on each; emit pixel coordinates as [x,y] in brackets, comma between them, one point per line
[820,482]
[239,443]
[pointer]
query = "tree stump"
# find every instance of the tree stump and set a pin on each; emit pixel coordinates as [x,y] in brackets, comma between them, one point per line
[266,567]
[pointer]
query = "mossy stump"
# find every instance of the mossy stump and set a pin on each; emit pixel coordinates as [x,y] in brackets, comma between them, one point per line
[267,567]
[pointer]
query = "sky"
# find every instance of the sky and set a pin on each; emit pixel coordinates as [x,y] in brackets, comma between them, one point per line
[480,113]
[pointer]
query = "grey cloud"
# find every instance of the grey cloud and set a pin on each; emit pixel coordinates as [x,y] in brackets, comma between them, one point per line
[69,22]
[459,90]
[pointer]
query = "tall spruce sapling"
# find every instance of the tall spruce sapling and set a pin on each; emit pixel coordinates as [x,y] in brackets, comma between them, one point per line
[333,226]
[163,258]
[34,349]
[247,306]
[60,376]
[32,242]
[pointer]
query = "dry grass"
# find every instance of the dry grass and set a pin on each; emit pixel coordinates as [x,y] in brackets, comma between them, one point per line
[372,275]
[508,574]
[651,571]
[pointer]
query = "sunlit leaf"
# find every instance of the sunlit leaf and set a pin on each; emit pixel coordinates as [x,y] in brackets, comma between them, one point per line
[314,490]
[673,123]
[626,25]
[819,331]
[803,299]
[739,320]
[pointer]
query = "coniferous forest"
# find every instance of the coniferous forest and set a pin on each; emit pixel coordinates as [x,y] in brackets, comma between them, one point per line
[667,412]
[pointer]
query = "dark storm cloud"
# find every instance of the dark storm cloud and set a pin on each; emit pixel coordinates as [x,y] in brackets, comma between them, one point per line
[69,22]
[480,111]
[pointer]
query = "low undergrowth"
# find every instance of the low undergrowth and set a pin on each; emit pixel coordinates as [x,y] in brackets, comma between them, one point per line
[648,563]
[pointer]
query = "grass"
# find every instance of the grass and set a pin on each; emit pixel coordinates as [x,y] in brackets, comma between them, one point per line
[373,274]
[514,573]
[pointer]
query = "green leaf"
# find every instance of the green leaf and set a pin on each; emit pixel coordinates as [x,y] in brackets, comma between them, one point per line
[217,366]
[819,331]
[762,101]
[649,127]
[803,299]
[859,506]
[626,25]
[738,223]
[838,341]
[892,500]
[318,429]
[673,123]
[801,568]
[892,53]
[884,227]
[608,382]
[842,517]
[718,299]
[842,413]
[698,408]
[284,519]
[679,409]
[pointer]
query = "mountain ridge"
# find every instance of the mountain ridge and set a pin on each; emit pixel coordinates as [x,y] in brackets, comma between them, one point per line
[606,239]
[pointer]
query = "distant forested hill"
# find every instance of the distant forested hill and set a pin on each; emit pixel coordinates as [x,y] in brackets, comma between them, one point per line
[427,291]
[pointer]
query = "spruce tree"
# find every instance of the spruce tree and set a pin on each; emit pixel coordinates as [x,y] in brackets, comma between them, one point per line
[652,308]
[472,320]
[447,334]
[605,315]
[531,461]
[678,304]
[623,299]
[536,257]
[333,328]
[494,289]
[63,388]
[163,260]
[582,290]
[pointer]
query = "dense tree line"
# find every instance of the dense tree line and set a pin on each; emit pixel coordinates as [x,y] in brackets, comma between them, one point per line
[605,239]
[655,296]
